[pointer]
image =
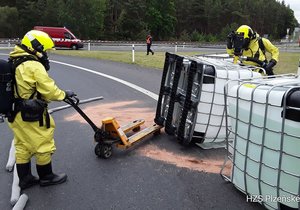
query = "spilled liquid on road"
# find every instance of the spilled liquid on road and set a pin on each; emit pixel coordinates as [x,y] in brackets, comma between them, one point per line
[127,111]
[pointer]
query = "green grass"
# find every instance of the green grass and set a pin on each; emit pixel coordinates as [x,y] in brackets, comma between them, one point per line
[151,61]
[288,62]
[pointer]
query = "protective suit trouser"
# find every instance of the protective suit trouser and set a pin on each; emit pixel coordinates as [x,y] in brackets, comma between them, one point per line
[31,139]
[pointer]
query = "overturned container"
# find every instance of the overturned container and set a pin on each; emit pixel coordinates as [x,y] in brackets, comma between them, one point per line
[195,110]
[176,93]
[264,154]
[210,126]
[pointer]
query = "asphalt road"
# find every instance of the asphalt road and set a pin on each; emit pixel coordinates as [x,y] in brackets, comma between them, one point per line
[130,179]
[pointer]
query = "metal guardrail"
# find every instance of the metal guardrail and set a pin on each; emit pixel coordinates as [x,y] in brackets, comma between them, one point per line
[92,44]
[9,42]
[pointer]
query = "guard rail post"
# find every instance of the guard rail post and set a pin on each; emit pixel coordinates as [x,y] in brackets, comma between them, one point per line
[89,45]
[132,53]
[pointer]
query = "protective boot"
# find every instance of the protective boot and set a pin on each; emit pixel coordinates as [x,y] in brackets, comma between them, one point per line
[47,177]
[26,179]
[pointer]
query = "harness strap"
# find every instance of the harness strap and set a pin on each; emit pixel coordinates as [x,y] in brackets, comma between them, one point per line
[16,62]
[41,121]
[262,47]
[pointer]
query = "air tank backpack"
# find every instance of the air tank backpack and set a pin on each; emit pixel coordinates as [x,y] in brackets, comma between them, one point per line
[6,88]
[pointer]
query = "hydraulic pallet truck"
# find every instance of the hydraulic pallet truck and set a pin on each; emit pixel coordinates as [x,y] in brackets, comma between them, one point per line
[112,133]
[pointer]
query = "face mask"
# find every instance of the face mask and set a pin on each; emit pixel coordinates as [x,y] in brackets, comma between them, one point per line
[239,44]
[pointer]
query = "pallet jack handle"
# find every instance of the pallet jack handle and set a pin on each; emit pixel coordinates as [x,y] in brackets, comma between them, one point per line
[74,101]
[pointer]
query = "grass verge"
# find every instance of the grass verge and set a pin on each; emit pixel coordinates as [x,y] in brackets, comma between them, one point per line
[288,62]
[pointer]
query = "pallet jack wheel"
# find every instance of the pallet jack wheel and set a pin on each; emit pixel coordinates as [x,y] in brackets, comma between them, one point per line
[103,150]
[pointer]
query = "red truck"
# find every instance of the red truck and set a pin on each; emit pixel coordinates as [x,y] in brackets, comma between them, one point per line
[61,36]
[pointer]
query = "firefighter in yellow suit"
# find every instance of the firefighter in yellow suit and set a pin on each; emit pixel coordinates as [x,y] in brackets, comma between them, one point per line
[31,124]
[245,42]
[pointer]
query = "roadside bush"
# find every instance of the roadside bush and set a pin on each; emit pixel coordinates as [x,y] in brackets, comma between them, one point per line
[211,38]
[197,37]
[184,36]
[226,30]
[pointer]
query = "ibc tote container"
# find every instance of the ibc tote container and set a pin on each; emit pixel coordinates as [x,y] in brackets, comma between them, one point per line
[265,152]
[210,126]
[191,99]
[175,86]
[187,98]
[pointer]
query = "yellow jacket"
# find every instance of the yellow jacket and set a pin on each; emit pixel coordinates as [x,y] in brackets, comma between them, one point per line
[31,76]
[254,48]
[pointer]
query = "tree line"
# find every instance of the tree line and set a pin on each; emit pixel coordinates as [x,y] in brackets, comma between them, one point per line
[185,20]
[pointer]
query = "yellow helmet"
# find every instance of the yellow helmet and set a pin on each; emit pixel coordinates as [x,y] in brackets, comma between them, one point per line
[37,40]
[246,32]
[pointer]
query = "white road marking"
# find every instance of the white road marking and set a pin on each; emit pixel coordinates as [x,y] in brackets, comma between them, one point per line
[50,111]
[138,88]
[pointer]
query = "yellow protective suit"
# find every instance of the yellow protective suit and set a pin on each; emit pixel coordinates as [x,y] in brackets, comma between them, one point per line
[254,47]
[31,139]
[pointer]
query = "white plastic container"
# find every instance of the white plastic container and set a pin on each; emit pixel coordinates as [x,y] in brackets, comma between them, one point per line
[266,146]
[210,124]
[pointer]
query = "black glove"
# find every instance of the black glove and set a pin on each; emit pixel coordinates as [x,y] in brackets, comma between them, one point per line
[230,37]
[69,94]
[269,67]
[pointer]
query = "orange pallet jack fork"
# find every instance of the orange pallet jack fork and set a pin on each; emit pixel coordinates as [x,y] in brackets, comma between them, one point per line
[112,133]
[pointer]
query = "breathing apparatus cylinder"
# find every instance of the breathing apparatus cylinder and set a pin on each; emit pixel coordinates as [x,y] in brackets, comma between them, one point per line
[6,87]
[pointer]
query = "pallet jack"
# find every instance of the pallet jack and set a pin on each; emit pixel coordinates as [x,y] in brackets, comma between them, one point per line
[112,133]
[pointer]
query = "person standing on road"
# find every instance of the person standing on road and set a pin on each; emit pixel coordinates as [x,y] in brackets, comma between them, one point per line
[149,43]
[32,126]
[246,42]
